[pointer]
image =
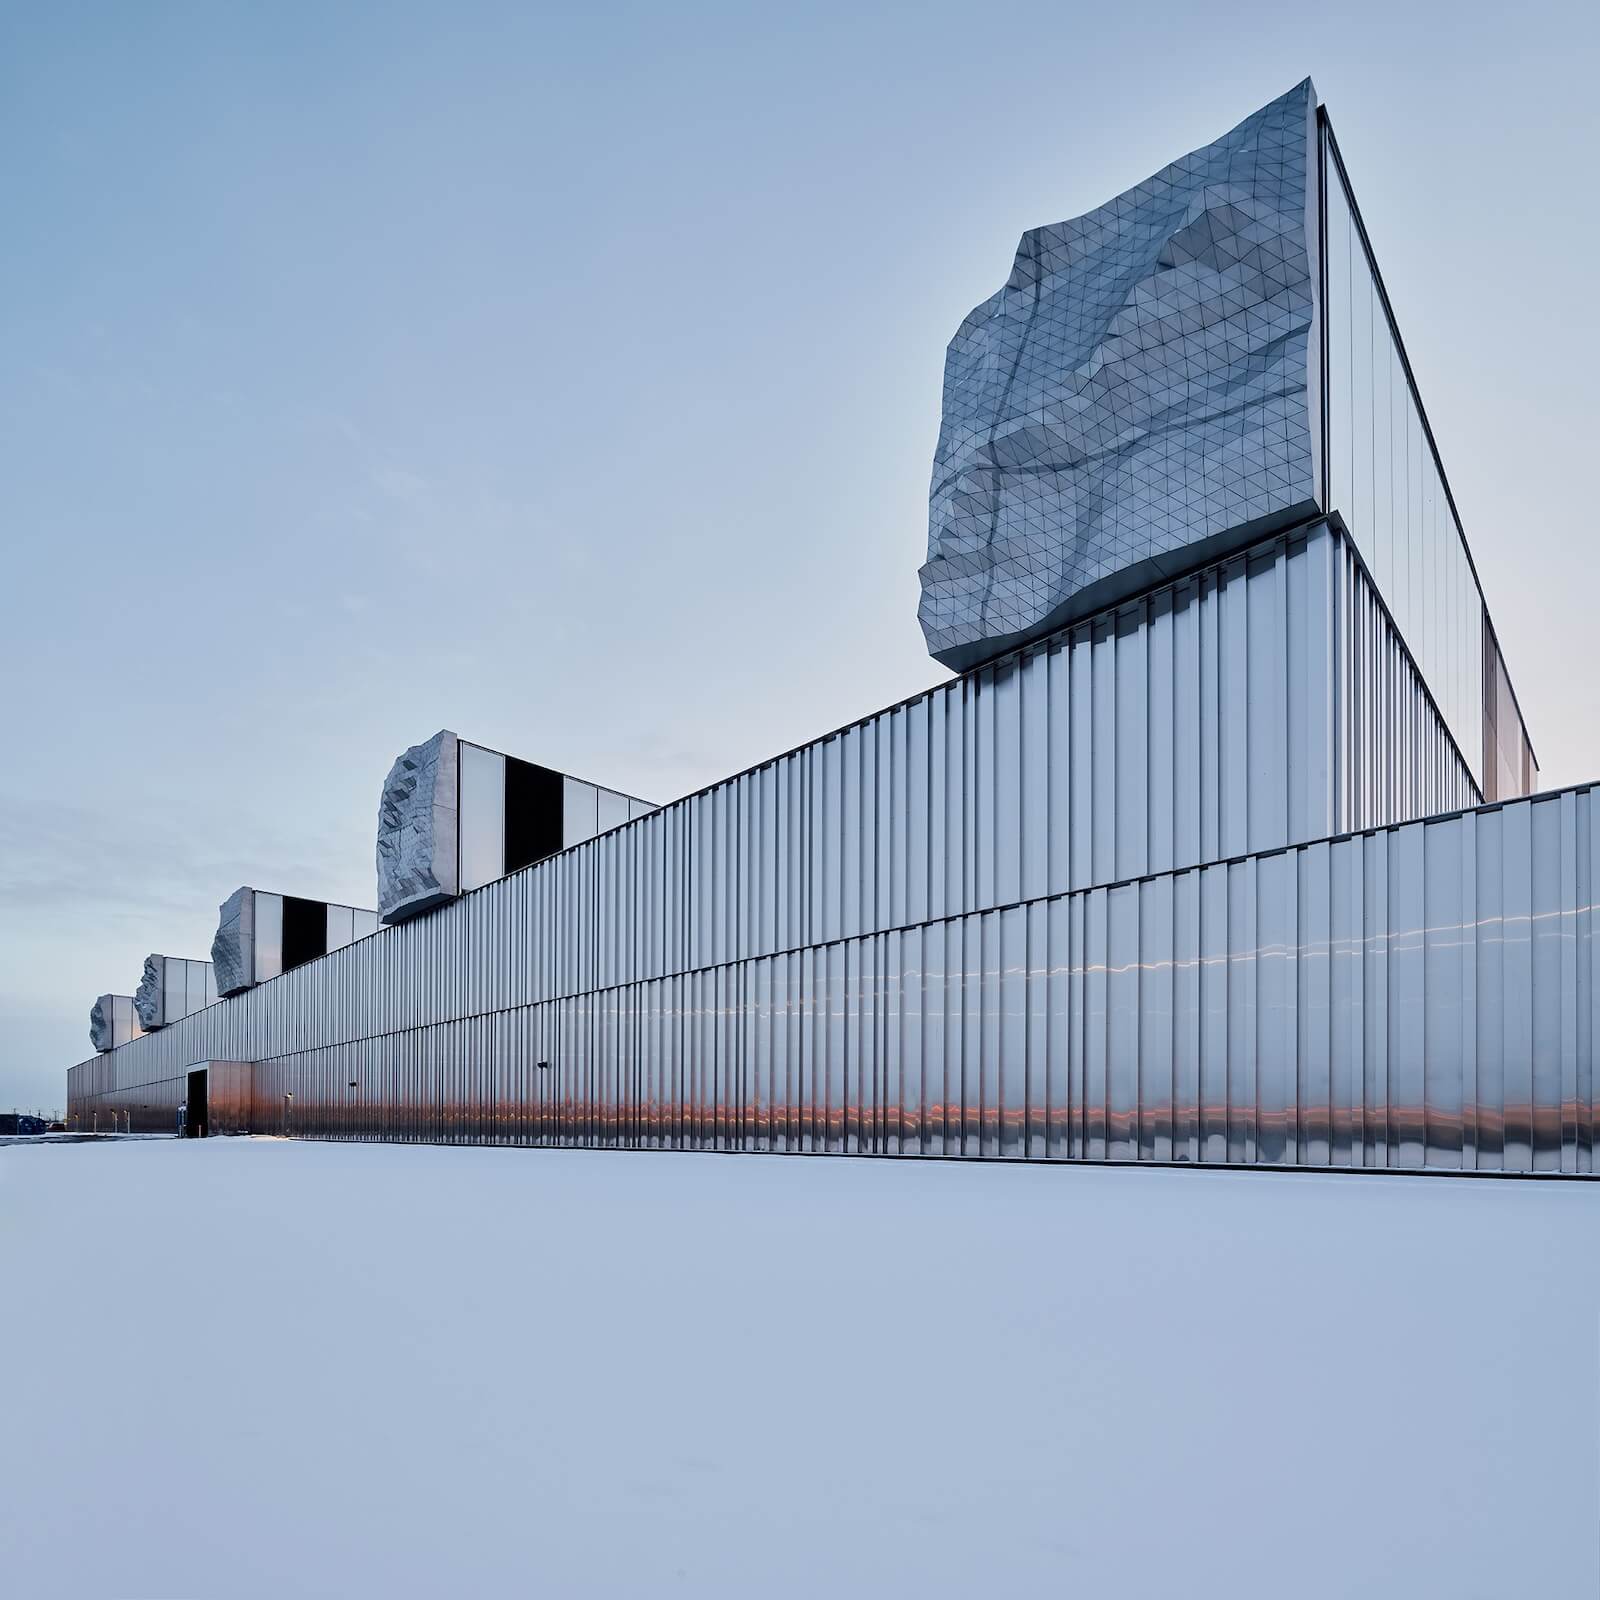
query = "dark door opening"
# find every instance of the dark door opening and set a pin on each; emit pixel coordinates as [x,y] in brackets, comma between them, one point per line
[194,1118]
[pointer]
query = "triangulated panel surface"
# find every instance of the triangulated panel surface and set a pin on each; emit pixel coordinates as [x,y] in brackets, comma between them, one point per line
[418,825]
[1142,385]
[101,1033]
[233,950]
[149,999]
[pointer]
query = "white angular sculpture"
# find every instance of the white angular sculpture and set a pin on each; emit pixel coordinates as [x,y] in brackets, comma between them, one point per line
[233,950]
[172,988]
[417,829]
[1141,395]
[112,1022]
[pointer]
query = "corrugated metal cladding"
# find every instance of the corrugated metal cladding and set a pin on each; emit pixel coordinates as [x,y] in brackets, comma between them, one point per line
[111,1095]
[1415,770]
[1259,703]
[229,1096]
[1421,996]
[104,1100]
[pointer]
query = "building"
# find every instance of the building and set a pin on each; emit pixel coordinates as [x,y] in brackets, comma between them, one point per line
[260,936]
[454,816]
[173,987]
[113,1021]
[1222,846]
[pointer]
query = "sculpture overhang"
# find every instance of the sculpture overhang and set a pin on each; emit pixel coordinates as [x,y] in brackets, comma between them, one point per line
[1143,394]
[417,829]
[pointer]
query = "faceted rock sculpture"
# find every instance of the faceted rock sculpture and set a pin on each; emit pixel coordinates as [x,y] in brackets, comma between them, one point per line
[149,999]
[172,988]
[1142,395]
[100,1024]
[418,865]
[233,950]
[111,1022]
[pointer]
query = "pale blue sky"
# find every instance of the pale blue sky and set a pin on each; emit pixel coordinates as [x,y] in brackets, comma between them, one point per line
[571,379]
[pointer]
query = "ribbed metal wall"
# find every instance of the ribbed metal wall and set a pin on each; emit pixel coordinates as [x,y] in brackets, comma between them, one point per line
[1413,769]
[1421,996]
[1256,704]
[110,1094]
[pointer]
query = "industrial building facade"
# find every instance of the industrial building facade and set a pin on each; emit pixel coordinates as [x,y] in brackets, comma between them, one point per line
[1194,864]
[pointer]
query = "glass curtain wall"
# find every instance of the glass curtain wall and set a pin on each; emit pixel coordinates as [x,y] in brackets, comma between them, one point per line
[1385,480]
[1508,765]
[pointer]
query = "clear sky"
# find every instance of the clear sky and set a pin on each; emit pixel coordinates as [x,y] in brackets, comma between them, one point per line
[570,378]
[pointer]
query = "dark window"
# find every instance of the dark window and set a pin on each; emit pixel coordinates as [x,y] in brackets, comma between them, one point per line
[305,931]
[533,813]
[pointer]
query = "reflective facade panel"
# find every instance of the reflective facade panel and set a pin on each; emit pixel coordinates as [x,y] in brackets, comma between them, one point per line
[1415,997]
[269,936]
[580,811]
[1143,393]
[1509,767]
[229,1096]
[341,926]
[1386,482]
[483,816]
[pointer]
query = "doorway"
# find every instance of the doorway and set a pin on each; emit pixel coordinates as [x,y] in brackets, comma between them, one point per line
[194,1118]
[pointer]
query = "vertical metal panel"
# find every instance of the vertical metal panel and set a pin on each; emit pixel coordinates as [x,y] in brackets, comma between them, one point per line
[1131,738]
[482,815]
[1057,1086]
[1313,1087]
[268,935]
[1213,1047]
[1277,996]
[1444,1045]
[1153,1105]
[1241,1082]
[1188,1023]
[1374,865]
[580,811]
[341,926]
[1407,991]
[1165,801]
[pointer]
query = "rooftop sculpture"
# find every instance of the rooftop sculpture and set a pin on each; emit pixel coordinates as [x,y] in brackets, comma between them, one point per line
[1141,394]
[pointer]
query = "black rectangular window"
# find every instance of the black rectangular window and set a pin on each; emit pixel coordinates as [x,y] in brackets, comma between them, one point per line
[533,813]
[305,931]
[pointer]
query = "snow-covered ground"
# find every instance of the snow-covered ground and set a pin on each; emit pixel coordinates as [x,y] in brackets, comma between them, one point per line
[248,1367]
